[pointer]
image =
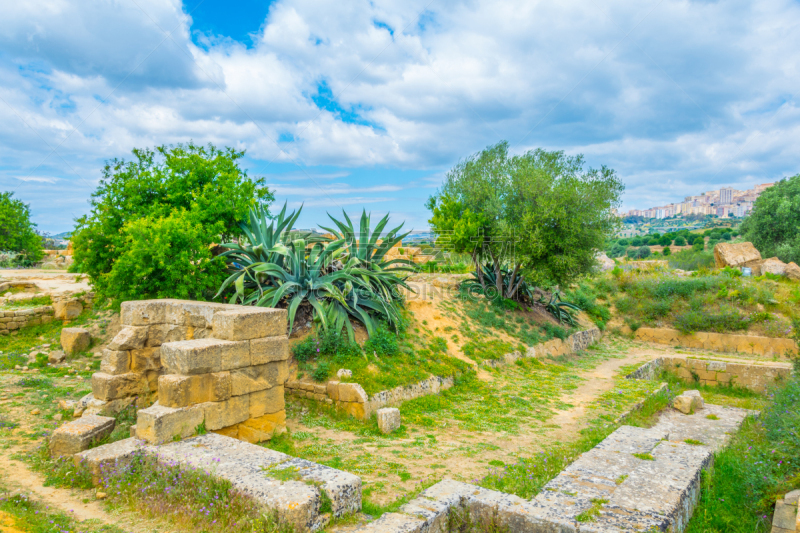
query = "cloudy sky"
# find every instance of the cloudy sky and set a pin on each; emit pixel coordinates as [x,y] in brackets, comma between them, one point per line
[344,105]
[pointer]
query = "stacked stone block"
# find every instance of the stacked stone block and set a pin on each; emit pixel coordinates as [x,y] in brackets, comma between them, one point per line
[11,320]
[210,365]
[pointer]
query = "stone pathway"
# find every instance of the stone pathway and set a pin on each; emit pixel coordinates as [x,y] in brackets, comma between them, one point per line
[635,479]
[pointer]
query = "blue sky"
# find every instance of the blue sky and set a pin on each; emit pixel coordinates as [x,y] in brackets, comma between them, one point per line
[367,104]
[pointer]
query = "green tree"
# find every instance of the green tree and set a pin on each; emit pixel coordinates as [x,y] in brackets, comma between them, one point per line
[699,244]
[643,252]
[680,241]
[667,250]
[204,185]
[17,232]
[539,214]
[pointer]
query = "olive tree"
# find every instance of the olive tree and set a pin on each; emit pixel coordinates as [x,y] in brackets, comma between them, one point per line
[17,232]
[774,224]
[539,215]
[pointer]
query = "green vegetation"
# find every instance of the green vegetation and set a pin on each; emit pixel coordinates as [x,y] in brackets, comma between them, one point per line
[761,464]
[342,278]
[31,516]
[17,233]
[387,360]
[563,211]
[721,302]
[772,225]
[189,498]
[154,219]
[644,456]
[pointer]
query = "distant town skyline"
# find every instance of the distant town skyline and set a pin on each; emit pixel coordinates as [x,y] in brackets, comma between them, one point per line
[724,202]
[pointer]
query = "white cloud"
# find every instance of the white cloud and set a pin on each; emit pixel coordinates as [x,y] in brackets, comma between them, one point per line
[676,95]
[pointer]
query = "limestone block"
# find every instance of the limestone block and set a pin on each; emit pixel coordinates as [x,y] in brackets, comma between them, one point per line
[263,427]
[75,340]
[158,334]
[223,414]
[191,313]
[352,392]
[232,431]
[115,362]
[107,457]
[688,402]
[158,424]
[356,410]
[176,390]
[388,419]
[260,377]
[269,349]
[129,338]
[773,265]
[201,356]
[742,254]
[145,359]
[785,516]
[67,309]
[267,401]
[792,271]
[56,357]
[78,435]
[792,498]
[332,390]
[144,312]
[247,323]
[110,387]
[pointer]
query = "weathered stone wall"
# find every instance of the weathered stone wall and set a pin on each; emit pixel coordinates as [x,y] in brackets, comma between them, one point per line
[11,320]
[720,342]
[350,398]
[213,365]
[752,376]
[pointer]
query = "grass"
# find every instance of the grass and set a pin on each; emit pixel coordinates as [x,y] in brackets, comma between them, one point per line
[30,337]
[644,456]
[188,498]
[760,465]
[34,301]
[26,514]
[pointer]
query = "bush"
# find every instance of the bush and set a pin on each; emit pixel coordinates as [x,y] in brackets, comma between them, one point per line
[636,241]
[326,345]
[195,194]
[165,258]
[383,342]
[691,260]
[643,252]
[680,241]
[17,233]
[726,319]
[322,371]
[699,245]
[666,251]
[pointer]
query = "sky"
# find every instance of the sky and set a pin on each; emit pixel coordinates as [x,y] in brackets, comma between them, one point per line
[366,104]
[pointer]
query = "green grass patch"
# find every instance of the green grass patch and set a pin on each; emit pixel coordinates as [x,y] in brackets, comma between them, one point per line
[31,516]
[644,456]
[35,301]
[761,464]
[189,498]
[694,442]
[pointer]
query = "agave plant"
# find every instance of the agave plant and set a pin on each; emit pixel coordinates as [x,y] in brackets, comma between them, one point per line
[325,273]
[364,244]
[560,309]
[522,294]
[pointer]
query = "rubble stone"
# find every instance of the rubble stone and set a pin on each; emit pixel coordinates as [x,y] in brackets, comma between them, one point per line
[129,338]
[75,340]
[388,419]
[78,435]
[742,254]
[688,402]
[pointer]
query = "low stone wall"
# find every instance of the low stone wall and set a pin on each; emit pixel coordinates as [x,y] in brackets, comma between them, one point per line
[720,342]
[64,307]
[217,365]
[755,377]
[350,398]
[11,320]
[553,348]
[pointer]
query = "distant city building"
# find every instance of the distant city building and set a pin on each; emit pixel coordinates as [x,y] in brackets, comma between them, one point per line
[725,202]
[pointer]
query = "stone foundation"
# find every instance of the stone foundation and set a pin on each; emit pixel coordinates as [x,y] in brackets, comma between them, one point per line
[753,376]
[720,342]
[214,366]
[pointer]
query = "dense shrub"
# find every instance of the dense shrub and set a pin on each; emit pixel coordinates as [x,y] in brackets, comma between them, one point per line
[196,194]
[666,251]
[691,260]
[382,342]
[17,232]
[643,252]
[680,241]
[726,319]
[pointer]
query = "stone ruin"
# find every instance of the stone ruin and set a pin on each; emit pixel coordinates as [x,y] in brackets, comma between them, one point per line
[214,366]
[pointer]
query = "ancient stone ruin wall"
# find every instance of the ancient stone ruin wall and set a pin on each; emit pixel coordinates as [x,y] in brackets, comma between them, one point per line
[211,366]
[720,342]
[755,377]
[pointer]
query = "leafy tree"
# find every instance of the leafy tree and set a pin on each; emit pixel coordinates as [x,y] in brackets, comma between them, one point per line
[664,241]
[204,185]
[17,233]
[680,241]
[540,214]
[666,251]
[623,242]
[636,241]
[699,244]
[643,252]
